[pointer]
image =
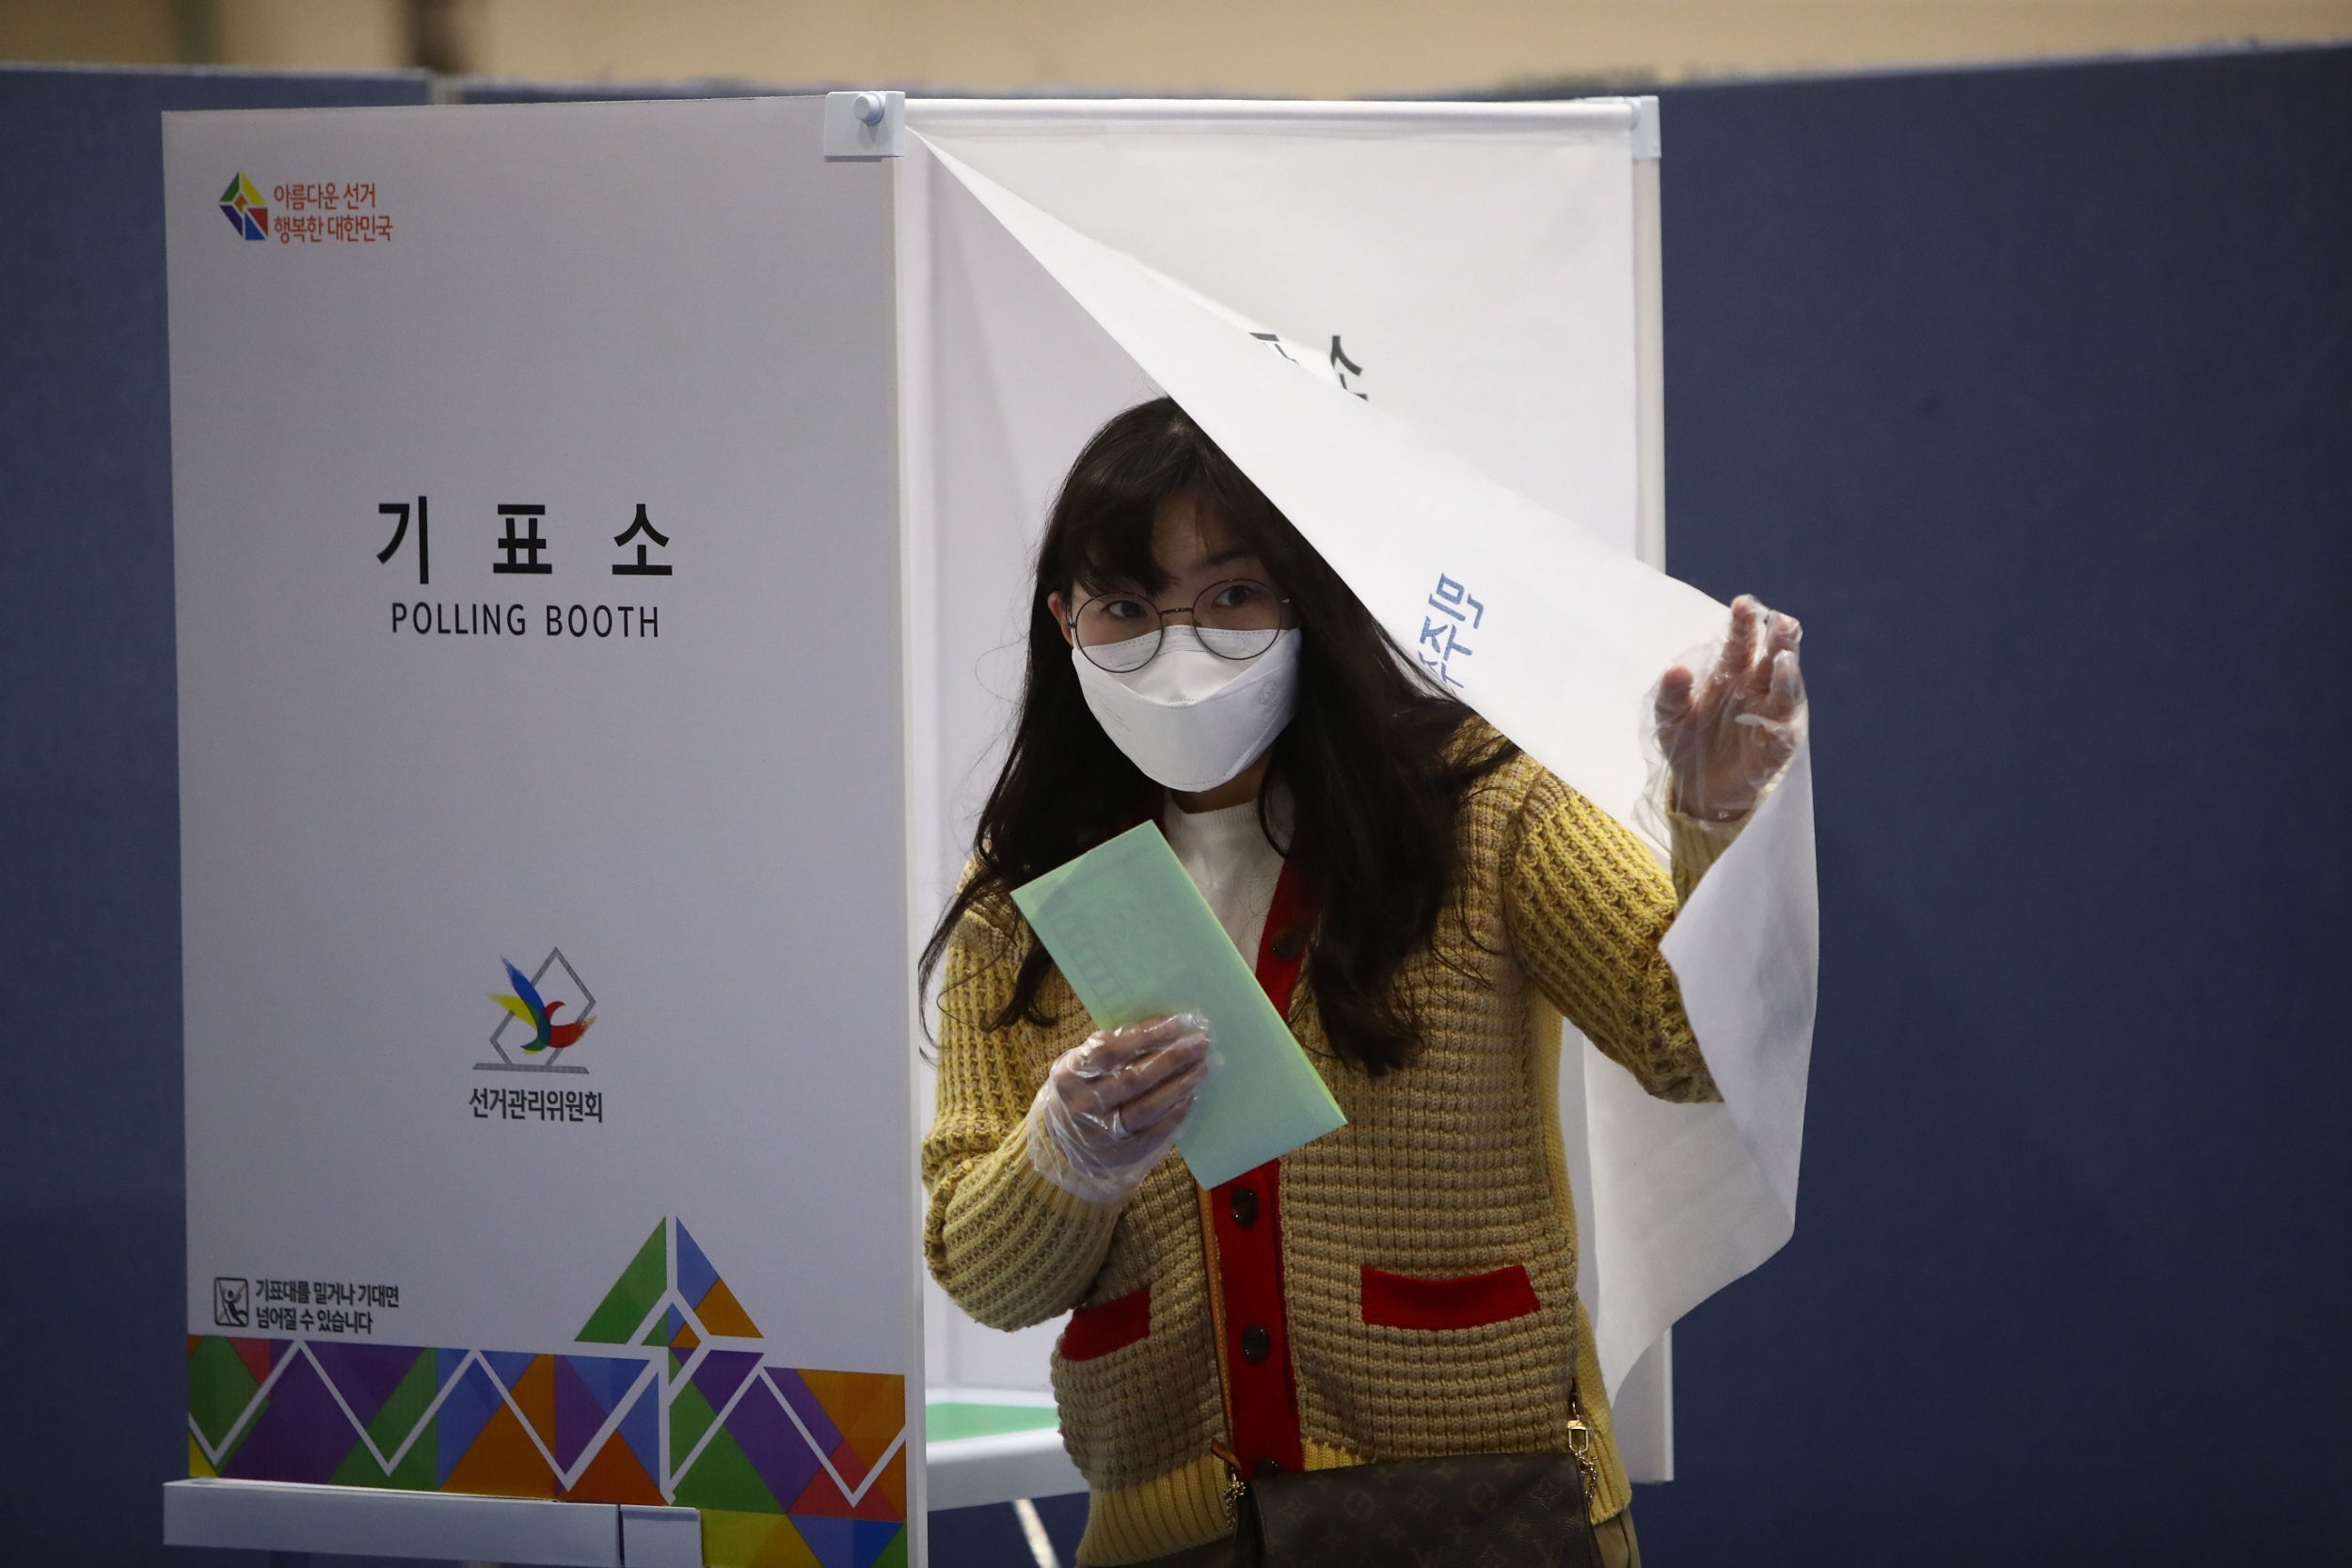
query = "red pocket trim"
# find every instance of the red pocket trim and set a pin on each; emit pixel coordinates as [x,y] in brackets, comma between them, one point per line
[1396,1301]
[1114,1324]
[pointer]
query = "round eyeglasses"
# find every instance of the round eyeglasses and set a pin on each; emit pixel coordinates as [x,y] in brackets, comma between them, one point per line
[1236,619]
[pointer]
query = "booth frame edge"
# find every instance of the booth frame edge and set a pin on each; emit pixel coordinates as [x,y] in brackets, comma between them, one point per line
[1646,149]
[909,324]
[1649,418]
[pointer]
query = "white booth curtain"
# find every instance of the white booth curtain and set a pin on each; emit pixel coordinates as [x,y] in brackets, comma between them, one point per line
[1417,327]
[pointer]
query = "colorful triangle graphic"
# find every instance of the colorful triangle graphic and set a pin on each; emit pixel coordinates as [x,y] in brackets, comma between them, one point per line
[404,1409]
[615,1477]
[868,1408]
[640,1431]
[465,1410]
[721,1372]
[822,1498]
[721,1314]
[609,1378]
[501,1461]
[690,1417]
[695,1273]
[510,1366]
[723,1477]
[535,1396]
[846,1542]
[364,1374]
[733,1540]
[220,1384]
[633,1296]
[665,1328]
[256,1354]
[579,1415]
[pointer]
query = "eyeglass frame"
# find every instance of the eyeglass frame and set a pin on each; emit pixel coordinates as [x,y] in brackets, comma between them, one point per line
[1159,627]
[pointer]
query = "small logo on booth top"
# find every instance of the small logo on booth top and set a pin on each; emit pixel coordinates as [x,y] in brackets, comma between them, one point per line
[241,205]
[547,1013]
[306,212]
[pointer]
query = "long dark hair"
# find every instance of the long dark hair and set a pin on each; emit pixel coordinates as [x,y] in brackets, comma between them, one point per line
[1374,779]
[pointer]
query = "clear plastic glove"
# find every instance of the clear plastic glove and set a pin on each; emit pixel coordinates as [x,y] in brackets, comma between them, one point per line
[1727,739]
[1109,1108]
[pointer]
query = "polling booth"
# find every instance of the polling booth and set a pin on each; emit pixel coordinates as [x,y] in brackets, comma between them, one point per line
[601,541]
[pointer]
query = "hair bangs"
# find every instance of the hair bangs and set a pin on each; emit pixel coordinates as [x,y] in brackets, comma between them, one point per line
[1102,527]
[1110,544]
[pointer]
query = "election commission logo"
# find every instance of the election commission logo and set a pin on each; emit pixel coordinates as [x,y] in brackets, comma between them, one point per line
[546,1014]
[241,205]
[543,1017]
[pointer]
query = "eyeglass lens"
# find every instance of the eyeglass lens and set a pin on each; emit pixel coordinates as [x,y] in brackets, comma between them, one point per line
[1236,619]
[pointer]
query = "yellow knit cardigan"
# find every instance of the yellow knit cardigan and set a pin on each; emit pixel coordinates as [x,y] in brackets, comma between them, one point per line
[1447,1168]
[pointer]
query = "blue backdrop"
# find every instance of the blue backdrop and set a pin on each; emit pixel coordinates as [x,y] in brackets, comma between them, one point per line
[91,1182]
[2030,389]
[2031,392]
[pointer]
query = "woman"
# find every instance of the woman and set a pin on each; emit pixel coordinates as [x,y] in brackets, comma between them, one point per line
[1422,902]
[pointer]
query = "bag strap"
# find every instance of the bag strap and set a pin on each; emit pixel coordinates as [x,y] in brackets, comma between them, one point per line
[1581,1441]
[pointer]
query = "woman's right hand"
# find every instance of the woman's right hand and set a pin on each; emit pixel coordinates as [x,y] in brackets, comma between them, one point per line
[1110,1107]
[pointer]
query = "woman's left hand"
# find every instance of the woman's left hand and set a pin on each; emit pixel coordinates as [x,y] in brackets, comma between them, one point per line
[1726,738]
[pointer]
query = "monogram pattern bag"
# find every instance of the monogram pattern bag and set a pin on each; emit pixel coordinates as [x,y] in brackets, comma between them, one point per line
[1475,1511]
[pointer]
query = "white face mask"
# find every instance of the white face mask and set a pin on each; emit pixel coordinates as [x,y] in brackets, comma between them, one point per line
[1190,718]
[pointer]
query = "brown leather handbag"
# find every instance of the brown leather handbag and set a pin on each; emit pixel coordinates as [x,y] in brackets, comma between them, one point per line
[1471,1510]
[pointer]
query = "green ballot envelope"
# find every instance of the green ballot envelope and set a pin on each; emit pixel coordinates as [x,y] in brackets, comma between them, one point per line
[1134,939]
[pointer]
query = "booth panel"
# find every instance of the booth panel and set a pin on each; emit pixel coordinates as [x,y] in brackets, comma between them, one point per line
[543,867]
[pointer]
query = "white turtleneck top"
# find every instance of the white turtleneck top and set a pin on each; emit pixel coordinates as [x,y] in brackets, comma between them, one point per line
[1227,855]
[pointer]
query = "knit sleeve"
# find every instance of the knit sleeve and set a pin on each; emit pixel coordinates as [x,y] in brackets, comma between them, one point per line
[1586,907]
[1010,1248]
